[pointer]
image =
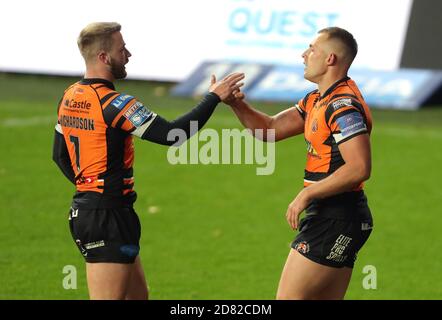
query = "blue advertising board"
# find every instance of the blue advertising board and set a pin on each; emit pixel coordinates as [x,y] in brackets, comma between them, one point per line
[400,89]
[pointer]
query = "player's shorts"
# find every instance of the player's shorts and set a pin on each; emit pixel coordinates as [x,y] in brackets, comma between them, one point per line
[334,240]
[106,235]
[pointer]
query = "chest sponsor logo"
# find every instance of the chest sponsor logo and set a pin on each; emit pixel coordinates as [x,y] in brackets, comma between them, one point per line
[311,151]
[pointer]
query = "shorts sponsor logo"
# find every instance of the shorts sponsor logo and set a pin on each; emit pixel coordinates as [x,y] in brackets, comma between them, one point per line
[351,123]
[73,213]
[120,101]
[337,251]
[95,244]
[81,247]
[302,247]
[366,226]
[130,250]
[341,103]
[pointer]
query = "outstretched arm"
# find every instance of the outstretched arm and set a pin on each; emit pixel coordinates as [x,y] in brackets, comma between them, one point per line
[286,124]
[158,131]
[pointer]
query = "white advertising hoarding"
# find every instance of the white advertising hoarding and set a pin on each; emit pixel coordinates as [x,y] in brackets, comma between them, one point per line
[169,39]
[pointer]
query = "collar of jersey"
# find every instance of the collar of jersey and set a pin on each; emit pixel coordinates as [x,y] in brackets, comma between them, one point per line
[107,83]
[333,87]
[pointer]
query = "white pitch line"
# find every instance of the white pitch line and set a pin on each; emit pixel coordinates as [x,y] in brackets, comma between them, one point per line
[28,122]
[410,132]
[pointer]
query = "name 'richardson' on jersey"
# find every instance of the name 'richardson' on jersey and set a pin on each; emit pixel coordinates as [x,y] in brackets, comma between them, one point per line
[76,122]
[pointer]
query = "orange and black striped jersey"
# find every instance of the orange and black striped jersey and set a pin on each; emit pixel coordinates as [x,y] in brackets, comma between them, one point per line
[337,116]
[98,124]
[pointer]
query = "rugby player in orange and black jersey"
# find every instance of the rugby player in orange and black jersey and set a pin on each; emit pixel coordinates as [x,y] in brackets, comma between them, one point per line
[339,115]
[98,125]
[93,146]
[336,124]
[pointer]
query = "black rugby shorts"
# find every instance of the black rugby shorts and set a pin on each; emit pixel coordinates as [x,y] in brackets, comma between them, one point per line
[106,235]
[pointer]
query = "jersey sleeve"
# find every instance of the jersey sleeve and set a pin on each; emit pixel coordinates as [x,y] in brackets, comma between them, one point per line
[308,100]
[128,114]
[300,107]
[345,120]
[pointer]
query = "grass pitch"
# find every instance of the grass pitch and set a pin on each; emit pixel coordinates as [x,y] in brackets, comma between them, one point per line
[212,231]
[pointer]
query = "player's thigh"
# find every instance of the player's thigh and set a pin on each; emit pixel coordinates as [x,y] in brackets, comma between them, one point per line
[108,281]
[338,286]
[304,279]
[137,289]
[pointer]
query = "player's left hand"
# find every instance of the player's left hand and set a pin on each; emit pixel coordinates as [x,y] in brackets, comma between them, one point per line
[296,207]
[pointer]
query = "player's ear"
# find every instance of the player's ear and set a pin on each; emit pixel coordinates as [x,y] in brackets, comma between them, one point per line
[332,59]
[104,57]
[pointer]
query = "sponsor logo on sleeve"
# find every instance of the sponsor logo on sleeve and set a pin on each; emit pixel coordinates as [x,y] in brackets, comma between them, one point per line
[351,123]
[120,101]
[138,114]
[341,103]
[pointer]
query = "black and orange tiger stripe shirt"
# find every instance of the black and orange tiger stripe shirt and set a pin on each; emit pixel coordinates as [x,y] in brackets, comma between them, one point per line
[98,125]
[333,118]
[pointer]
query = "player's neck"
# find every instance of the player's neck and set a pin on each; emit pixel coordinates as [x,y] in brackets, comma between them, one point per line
[328,80]
[94,73]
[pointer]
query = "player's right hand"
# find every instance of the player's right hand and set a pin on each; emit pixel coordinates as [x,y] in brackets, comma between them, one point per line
[234,98]
[228,86]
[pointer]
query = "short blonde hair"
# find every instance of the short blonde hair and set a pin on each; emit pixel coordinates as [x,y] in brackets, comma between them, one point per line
[346,38]
[95,37]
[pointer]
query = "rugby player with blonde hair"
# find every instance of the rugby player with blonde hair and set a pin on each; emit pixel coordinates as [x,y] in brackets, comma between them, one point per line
[93,146]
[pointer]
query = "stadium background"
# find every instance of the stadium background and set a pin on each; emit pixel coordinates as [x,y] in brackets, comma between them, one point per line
[218,231]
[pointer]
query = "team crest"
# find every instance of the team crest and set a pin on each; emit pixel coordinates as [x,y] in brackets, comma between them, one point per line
[302,247]
[315,125]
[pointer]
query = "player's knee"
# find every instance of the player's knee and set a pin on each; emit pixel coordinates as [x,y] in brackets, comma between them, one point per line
[284,295]
[137,291]
[137,296]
